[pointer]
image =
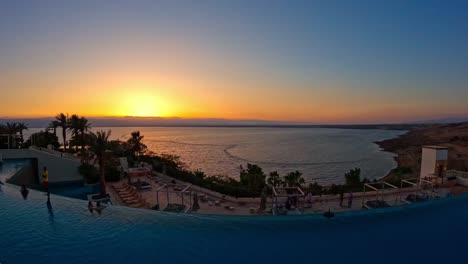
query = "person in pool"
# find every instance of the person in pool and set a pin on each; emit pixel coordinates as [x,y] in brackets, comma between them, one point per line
[90,206]
[99,207]
[24,191]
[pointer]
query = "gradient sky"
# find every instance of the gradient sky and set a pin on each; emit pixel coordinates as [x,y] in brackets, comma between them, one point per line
[317,61]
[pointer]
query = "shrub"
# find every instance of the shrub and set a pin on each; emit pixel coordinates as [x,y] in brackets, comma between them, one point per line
[89,173]
[112,174]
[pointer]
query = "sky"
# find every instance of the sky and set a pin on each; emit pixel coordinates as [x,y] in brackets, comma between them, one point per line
[307,61]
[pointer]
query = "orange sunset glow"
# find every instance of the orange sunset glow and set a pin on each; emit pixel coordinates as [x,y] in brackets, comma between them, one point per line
[113,64]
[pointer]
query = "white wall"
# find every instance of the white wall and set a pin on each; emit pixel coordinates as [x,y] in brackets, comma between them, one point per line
[60,169]
[428,160]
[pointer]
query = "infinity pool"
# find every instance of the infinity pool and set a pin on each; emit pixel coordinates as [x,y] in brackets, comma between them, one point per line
[65,232]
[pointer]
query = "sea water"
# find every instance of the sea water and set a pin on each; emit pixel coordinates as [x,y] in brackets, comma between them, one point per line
[321,154]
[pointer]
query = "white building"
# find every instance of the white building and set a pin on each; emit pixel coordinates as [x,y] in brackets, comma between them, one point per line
[434,162]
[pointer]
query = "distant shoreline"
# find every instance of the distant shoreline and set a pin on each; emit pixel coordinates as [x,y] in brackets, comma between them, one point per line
[408,147]
[380,127]
[212,122]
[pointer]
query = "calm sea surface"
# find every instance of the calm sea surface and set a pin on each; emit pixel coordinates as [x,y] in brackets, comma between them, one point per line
[321,154]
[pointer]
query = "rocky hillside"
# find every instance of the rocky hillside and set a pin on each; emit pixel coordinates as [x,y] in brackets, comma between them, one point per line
[408,147]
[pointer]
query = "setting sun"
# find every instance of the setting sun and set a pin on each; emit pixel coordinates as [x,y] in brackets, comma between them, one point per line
[143,105]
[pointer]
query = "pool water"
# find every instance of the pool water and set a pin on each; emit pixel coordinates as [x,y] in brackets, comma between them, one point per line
[74,190]
[10,167]
[63,231]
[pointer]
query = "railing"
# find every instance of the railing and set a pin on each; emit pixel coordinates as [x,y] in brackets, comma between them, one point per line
[56,153]
[455,173]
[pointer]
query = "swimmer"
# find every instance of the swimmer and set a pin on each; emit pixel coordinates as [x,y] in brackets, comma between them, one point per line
[24,191]
[90,206]
[99,207]
[329,214]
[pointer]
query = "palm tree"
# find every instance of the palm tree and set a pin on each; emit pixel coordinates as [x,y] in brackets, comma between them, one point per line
[73,128]
[135,144]
[294,179]
[62,120]
[54,124]
[2,131]
[274,180]
[21,126]
[83,126]
[253,177]
[12,129]
[99,144]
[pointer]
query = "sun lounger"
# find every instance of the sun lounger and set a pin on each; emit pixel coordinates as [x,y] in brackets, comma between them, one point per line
[127,191]
[136,205]
[130,199]
[127,196]
[123,187]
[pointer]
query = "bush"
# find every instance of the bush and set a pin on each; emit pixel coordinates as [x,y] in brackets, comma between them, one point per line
[89,173]
[402,170]
[227,186]
[353,177]
[112,174]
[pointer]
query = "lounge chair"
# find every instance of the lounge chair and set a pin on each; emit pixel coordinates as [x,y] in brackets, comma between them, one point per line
[130,199]
[136,205]
[123,187]
[127,196]
[132,192]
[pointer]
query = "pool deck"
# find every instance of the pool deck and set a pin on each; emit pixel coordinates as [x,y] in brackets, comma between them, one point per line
[217,204]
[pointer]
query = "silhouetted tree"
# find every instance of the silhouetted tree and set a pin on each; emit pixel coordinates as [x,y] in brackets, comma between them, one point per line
[12,130]
[253,177]
[99,144]
[62,120]
[74,130]
[274,180]
[353,177]
[21,127]
[293,179]
[136,145]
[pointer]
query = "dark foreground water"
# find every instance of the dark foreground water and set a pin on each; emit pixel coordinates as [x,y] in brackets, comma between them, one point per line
[63,231]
